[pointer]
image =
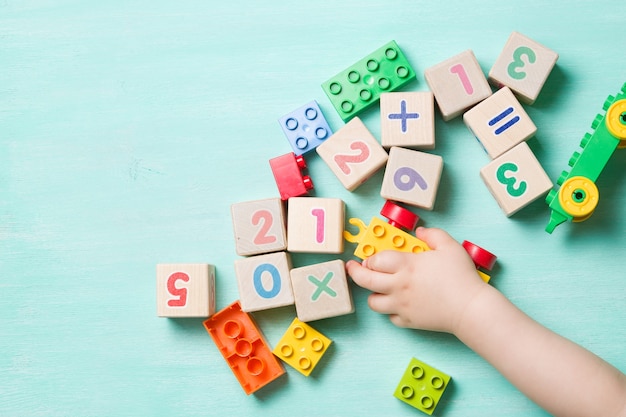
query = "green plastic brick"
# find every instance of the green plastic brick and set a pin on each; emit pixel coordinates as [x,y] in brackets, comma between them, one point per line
[587,163]
[360,85]
[422,386]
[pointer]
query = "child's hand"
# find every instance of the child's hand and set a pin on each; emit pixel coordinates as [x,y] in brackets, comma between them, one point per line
[428,290]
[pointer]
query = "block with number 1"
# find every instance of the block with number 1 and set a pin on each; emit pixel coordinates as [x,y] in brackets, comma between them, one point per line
[315,225]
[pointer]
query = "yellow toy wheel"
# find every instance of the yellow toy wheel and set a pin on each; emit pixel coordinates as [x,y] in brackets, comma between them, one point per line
[616,119]
[579,197]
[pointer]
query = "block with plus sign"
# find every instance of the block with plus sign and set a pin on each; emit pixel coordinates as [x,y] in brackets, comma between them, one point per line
[499,123]
[353,154]
[321,291]
[264,281]
[516,179]
[259,226]
[458,83]
[523,66]
[412,177]
[407,120]
[306,128]
[315,225]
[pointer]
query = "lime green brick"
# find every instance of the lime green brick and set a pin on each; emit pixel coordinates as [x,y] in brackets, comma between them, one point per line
[360,85]
[422,386]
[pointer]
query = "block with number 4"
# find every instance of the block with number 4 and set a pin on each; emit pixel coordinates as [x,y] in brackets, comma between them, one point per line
[353,154]
[315,225]
[259,226]
[458,83]
[321,291]
[499,123]
[412,177]
[523,66]
[185,290]
[407,119]
[516,179]
[264,281]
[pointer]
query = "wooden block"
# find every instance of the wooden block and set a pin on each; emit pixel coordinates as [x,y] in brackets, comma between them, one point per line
[499,123]
[264,281]
[315,225]
[458,83]
[412,177]
[516,179]
[523,66]
[259,226]
[185,290]
[321,291]
[353,154]
[408,120]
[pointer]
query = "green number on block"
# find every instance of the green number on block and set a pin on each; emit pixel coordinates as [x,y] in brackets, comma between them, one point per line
[518,63]
[510,181]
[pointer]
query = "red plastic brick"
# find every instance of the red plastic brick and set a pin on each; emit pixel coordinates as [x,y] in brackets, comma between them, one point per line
[243,347]
[287,170]
[481,257]
[399,217]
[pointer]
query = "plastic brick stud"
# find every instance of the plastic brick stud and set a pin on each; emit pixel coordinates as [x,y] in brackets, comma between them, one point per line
[287,170]
[305,128]
[243,347]
[482,258]
[398,216]
[360,85]
[185,290]
[578,195]
[422,386]
[259,226]
[302,347]
[523,66]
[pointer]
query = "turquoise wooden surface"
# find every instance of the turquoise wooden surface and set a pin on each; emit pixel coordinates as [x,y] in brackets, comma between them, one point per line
[128,128]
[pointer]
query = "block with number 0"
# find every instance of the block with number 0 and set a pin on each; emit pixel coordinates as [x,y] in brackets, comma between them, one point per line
[353,154]
[523,66]
[185,290]
[516,179]
[412,177]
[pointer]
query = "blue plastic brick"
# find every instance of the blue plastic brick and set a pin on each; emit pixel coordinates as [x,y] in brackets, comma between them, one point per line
[359,86]
[306,128]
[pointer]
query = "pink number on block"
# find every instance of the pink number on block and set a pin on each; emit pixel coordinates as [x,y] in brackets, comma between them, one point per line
[459,70]
[343,160]
[262,238]
[319,231]
[181,293]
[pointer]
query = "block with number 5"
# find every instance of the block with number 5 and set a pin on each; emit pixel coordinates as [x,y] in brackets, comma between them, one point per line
[353,154]
[185,290]
[315,225]
[259,226]
[412,177]
[516,179]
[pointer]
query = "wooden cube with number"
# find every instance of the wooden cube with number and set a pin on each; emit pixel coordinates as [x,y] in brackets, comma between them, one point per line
[523,66]
[353,154]
[458,83]
[264,281]
[185,290]
[315,225]
[516,179]
[412,177]
[499,123]
[407,119]
[259,226]
[321,291]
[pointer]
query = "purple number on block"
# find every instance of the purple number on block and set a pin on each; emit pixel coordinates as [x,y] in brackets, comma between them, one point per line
[412,178]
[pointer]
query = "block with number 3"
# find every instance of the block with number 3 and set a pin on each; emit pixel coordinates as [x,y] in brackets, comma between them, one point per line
[315,225]
[259,226]
[458,83]
[412,177]
[353,154]
[185,290]
[523,66]
[516,179]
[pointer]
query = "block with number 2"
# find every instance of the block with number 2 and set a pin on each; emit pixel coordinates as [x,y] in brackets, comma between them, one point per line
[185,290]
[259,226]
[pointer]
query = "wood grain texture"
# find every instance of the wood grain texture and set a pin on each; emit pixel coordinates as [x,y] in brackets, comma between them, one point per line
[127,129]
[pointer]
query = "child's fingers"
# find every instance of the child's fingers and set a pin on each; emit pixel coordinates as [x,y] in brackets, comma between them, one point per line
[387,262]
[398,321]
[382,303]
[434,238]
[369,279]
